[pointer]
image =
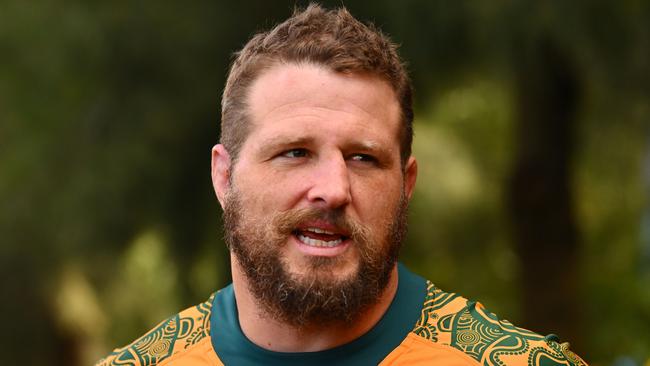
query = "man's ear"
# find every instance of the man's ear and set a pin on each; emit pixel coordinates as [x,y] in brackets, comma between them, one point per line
[220,172]
[410,175]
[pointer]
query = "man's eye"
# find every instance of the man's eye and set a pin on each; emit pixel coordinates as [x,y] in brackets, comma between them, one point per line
[295,153]
[363,158]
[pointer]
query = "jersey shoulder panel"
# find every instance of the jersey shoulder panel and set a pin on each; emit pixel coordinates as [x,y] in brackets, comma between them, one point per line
[175,335]
[452,320]
[418,351]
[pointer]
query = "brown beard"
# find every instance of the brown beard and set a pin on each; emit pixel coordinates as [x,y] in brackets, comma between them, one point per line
[314,298]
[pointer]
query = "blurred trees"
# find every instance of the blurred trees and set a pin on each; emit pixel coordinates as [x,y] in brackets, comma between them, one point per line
[532,123]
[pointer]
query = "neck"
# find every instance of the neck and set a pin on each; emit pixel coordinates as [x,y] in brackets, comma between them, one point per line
[268,333]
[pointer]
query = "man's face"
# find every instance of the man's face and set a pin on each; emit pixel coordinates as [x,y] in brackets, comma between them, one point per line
[316,205]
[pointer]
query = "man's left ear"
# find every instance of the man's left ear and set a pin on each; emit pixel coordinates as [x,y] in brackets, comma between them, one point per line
[410,175]
[221,171]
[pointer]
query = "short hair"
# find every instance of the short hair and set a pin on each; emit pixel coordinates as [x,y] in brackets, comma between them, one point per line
[330,38]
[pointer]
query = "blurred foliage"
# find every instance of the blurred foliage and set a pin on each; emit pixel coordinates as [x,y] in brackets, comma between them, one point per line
[108,111]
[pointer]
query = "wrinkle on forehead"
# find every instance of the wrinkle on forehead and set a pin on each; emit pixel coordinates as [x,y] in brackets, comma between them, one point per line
[309,113]
[291,86]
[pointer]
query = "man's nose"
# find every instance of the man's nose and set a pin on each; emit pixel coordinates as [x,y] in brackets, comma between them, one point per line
[331,183]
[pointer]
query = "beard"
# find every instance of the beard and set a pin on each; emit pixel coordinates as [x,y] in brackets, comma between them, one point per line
[316,296]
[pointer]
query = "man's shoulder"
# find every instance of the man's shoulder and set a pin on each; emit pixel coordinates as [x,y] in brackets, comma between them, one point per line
[177,334]
[451,320]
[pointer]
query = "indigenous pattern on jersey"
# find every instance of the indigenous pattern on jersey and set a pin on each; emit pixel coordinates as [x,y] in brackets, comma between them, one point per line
[449,319]
[451,331]
[185,332]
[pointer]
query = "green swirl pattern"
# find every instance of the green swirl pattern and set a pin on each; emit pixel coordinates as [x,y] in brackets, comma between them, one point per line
[175,334]
[465,325]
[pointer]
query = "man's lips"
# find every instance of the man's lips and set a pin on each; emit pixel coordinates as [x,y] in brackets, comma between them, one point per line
[323,226]
[321,248]
[320,234]
[317,237]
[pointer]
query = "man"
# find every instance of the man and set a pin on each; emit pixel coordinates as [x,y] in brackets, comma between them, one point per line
[314,173]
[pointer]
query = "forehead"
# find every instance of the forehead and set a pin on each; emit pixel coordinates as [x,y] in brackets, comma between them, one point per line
[309,95]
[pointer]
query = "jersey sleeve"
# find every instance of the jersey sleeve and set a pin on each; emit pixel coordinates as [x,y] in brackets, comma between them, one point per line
[171,337]
[451,320]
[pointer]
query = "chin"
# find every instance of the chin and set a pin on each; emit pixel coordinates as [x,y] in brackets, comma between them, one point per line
[325,269]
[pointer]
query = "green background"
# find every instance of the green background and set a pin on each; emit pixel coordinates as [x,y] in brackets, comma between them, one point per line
[532,134]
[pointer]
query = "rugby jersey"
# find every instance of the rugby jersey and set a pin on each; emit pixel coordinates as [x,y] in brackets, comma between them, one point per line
[422,326]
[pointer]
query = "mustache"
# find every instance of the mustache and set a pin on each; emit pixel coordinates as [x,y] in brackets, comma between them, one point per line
[286,222]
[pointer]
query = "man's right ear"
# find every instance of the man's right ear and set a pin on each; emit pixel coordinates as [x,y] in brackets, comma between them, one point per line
[220,172]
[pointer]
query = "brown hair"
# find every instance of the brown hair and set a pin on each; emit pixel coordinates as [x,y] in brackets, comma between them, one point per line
[331,38]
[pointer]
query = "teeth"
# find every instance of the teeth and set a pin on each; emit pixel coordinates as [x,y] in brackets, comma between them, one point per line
[319,243]
[319,231]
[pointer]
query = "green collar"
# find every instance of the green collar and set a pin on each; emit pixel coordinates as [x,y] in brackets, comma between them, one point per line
[233,348]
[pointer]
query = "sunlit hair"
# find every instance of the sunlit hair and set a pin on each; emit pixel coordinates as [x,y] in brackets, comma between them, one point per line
[330,38]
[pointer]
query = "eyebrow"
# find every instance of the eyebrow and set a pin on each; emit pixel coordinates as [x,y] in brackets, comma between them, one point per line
[269,145]
[367,146]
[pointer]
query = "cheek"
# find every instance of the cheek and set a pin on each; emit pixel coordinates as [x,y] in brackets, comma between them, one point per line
[378,199]
[268,193]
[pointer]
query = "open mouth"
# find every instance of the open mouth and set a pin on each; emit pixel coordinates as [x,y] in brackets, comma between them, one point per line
[316,237]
